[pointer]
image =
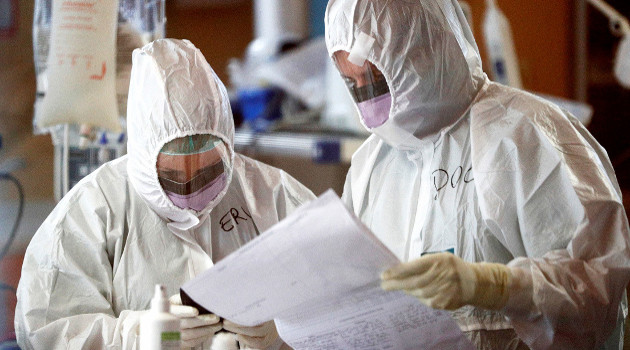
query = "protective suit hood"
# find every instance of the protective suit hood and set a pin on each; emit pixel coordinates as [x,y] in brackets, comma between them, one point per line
[173,93]
[426,52]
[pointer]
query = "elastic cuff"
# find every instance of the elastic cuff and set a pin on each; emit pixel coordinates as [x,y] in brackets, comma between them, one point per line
[492,285]
[520,293]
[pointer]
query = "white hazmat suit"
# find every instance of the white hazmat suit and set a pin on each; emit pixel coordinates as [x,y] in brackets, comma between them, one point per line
[489,173]
[93,264]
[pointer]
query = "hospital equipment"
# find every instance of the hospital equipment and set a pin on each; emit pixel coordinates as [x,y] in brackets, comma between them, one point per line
[620,27]
[80,66]
[82,147]
[7,167]
[134,24]
[11,220]
[500,45]
[75,157]
[279,25]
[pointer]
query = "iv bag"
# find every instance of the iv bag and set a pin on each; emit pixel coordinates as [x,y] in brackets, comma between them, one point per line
[81,75]
[136,23]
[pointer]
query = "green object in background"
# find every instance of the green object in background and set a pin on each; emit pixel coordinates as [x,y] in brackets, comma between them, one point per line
[171,336]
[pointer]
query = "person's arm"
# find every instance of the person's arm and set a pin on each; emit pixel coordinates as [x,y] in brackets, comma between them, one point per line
[65,291]
[548,194]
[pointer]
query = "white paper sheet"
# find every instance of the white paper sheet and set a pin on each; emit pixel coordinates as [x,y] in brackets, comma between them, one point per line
[317,274]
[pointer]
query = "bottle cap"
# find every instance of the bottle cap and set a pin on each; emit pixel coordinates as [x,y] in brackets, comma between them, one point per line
[103,139]
[160,302]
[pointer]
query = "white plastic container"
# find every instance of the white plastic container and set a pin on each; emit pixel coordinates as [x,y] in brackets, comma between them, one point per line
[276,18]
[159,330]
[622,62]
[500,45]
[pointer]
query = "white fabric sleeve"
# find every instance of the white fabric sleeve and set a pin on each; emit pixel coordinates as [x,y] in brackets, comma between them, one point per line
[346,196]
[294,195]
[548,194]
[65,292]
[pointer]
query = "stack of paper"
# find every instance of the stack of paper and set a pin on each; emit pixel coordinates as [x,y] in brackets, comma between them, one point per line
[317,274]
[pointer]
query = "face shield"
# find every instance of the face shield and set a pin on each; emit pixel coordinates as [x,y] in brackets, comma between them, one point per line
[368,88]
[193,170]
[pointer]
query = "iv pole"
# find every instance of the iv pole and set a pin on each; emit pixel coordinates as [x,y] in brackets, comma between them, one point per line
[619,24]
[620,27]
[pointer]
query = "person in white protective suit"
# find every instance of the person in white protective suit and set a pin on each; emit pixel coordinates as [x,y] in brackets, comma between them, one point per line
[502,207]
[179,201]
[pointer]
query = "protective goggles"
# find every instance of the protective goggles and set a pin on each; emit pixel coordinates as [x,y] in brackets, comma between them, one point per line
[364,82]
[204,176]
[184,173]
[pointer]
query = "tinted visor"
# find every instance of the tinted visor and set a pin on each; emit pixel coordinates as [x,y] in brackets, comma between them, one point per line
[186,165]
[364,82]
[204,176]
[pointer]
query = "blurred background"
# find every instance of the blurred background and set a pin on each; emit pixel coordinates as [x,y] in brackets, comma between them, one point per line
[290,106]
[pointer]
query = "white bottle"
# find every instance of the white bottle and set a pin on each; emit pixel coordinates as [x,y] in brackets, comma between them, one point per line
[500,45]
[622,62]
[159,330]
[103,150]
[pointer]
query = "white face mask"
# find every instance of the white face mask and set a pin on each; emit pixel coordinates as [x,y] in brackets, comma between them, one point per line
[375,111]
[198,200]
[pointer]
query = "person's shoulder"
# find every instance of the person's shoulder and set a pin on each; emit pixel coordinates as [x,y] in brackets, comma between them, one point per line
[89,202]
[258,174]
[254,175]
[372,144]
[506,113]
[245,163]
[114,170]
[108,182]
[373,151]
[256,171]
[510,106]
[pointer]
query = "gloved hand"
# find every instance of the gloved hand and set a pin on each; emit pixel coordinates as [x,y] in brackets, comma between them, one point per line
[195,328]
[444,281]
[264,336]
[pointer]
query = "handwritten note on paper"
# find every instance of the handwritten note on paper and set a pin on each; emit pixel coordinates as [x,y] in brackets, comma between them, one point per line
[317,274]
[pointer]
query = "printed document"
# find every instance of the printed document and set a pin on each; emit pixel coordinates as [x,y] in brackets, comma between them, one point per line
[317,273]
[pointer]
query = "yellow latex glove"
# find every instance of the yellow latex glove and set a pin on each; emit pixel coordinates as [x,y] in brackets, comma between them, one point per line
[444,281]
[264,336]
